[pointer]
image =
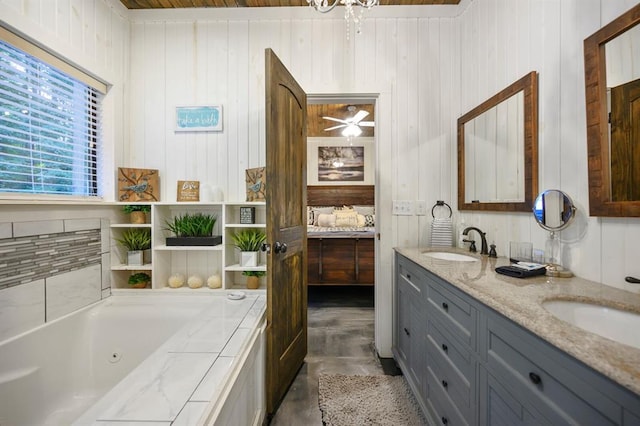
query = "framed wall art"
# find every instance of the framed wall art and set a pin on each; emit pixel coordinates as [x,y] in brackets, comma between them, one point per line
[256,180]
[138,184]
[199,118]
[340,164]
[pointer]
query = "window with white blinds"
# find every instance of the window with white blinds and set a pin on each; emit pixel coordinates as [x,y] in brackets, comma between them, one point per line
[50,127]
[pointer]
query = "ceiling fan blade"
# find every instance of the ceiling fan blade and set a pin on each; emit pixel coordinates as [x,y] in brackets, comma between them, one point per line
[335,127]
[336,119]
[366,124]
[359,116]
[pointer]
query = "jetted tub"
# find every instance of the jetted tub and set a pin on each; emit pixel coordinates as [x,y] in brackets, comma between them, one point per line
[74,369]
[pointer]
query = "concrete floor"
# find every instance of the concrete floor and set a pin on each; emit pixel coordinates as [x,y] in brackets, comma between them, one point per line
[340,341]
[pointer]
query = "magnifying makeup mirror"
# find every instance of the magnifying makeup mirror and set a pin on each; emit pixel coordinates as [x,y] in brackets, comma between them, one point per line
[554,211]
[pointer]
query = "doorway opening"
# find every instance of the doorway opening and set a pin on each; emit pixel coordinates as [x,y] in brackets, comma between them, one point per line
[341,187]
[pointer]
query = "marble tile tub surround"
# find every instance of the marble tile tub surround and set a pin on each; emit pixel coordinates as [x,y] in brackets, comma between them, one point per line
[521,301]
[179,380]
[64,259]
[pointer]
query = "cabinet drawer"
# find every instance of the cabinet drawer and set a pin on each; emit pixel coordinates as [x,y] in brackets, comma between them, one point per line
[455,313]
[412,273]
[452,381]
[440,404]
[451,350]
[549,383]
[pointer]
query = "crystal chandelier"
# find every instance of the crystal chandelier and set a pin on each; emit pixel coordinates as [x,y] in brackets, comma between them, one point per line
[323,6]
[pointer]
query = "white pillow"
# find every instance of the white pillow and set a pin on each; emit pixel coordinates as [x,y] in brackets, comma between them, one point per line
[317,211]
[346,218]
[364,210]
[326,220]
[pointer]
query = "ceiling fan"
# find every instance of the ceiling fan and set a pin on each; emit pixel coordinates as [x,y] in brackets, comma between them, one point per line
[351,125]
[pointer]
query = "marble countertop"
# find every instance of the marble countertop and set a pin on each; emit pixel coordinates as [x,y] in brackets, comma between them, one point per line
[521,301]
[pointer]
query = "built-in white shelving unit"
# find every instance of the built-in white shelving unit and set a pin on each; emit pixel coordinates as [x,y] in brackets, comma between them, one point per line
[233,271]
[204,261]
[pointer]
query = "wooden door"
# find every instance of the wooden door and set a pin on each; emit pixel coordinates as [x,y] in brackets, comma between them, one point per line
[286,190]
[625,142]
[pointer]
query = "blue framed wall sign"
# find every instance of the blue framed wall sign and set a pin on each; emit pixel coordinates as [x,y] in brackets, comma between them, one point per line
[199,118]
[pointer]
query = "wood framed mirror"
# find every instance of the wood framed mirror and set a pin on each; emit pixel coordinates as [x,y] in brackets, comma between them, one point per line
[614,149]
[498,150]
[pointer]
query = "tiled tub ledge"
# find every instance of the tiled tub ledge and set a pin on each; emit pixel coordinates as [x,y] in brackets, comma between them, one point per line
[207,372]
[140,358]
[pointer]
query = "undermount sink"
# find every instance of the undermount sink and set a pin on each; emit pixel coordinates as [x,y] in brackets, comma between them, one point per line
[455,257]
[614,324]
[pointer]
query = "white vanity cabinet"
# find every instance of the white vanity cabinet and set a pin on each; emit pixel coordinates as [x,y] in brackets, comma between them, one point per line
[479,367]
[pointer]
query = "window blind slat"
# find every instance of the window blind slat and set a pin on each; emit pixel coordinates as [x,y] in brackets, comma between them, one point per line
[49,128]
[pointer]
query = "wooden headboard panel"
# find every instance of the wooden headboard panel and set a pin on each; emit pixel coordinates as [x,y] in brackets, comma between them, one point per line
[338,195]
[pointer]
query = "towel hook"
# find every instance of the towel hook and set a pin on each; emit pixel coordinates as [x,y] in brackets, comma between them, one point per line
[440,203]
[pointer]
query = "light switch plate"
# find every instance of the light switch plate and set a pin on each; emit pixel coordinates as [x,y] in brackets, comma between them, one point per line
[402,207]
[421,207]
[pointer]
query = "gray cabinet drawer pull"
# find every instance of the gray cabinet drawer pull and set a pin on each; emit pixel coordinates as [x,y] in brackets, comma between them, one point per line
[445,306]
[444,384]
[445,347]
[535,378]
[407,332]
[408,276]
[444,420]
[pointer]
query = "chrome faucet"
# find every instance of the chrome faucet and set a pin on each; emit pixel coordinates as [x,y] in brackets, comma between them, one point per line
[483,235]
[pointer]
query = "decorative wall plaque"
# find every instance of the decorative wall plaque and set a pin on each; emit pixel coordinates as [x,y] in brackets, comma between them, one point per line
[138,185]
[256,180]
[188,190]
[247,215]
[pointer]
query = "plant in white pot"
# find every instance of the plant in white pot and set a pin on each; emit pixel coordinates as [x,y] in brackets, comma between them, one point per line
[136,241]
[249,241]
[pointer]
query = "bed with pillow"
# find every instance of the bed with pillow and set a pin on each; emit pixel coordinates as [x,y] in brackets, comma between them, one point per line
[340,235]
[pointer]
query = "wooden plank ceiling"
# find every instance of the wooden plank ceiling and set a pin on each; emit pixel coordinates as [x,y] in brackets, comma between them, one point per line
[316,124]
[168,4]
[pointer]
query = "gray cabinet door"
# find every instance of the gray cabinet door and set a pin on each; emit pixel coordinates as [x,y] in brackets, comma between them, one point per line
[561,389]
[410,323]
[498,406]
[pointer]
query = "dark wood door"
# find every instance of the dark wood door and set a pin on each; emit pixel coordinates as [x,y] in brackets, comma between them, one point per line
[286,187]
[625,142]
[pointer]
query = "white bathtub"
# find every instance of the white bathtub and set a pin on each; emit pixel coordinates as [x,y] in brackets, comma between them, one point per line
[68,369]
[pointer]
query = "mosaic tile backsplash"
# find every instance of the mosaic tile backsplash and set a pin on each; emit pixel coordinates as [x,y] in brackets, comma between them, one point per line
[26,259]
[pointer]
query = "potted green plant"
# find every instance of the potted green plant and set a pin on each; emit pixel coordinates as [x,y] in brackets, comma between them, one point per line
[137,212]
[253,278]
[136,241]
[193,229]
[139,280]
[249,241]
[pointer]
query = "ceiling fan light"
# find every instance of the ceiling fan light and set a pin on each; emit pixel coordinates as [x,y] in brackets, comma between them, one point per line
[351,131]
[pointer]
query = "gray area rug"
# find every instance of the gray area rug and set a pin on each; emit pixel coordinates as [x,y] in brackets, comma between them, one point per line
[367,400]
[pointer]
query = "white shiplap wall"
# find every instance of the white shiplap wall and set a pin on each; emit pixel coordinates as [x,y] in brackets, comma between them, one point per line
[426,65]
[500,41]
[408,61]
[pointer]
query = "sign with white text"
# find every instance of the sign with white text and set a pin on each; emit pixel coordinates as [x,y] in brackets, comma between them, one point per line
[199,118]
